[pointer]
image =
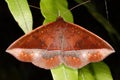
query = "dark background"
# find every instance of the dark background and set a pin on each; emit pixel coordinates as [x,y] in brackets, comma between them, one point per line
[12,69]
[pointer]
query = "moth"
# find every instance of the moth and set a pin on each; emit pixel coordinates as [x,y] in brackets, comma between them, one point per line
[60,42]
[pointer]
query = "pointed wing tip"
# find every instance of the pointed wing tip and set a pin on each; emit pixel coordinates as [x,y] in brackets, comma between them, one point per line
[112,50]
[7,50]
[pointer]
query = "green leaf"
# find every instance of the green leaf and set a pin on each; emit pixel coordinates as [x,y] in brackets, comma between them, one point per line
[85,73]
[64,73]
[95,71]
[51,9]
[21,13]
[101,71]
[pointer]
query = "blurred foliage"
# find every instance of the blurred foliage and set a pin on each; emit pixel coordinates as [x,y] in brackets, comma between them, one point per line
[113,33]
[95,71]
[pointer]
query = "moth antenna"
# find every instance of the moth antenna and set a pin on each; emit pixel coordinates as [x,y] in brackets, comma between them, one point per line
[106,9]
[78,5]
[34,7]
[71,8]
[66,11]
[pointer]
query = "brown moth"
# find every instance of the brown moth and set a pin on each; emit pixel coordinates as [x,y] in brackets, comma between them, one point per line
[60,42]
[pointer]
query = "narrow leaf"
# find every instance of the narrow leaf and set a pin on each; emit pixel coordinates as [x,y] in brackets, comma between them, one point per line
[101,71]
[21,13]
[85,73]
[95,71]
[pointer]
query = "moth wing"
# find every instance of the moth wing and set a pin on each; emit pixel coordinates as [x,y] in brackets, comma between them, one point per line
[82,46]
[33,47]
